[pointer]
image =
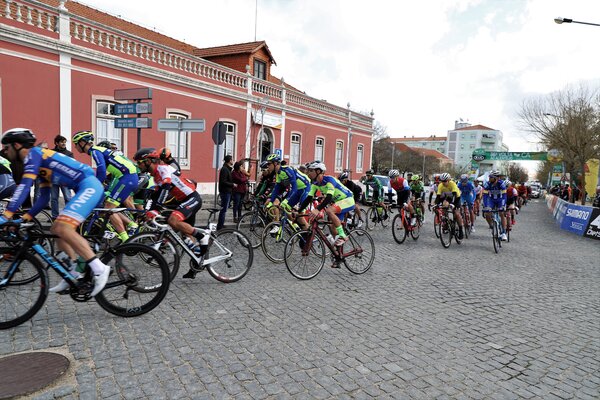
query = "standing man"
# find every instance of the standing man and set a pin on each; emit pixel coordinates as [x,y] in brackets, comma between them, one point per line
[225,188]
[60,146]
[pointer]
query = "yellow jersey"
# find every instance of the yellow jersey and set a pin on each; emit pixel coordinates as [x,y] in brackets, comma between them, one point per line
[445,189]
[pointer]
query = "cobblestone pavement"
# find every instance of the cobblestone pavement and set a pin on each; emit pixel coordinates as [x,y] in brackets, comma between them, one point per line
[423,323]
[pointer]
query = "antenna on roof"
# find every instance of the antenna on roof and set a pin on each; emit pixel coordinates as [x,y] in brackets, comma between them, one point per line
[255,18]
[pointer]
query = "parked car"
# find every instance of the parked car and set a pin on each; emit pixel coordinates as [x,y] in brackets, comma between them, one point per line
[389,194]
[536,191]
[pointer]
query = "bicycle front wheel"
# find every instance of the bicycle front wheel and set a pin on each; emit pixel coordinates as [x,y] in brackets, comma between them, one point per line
[436,225]
[273,244]
[360,250]
[416,230]
[398,229]
[164,245]
[305,259]
[495,237]
[24,293]
[372,218]
[445,232]
[134,286]
[229,255]
[252,225]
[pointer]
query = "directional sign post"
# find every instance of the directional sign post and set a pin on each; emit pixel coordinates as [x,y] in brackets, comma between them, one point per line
[181,125]
[219,132]
[138,108]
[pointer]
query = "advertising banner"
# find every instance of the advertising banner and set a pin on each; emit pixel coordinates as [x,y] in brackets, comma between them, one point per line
[593,228]
[576,218]
[561,209]
[591,176]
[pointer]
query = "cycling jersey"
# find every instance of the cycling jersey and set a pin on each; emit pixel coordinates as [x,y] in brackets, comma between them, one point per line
[399,184]
[166,179]
[5,166]
[354,188]
[334,192]
[265,186]
[416,187]
[298,183]
[109,162]
[376,185]
[446,189]
[467,192]
[494,195]
[478,189]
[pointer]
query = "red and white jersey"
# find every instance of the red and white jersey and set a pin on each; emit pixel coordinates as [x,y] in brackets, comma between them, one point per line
[182,187]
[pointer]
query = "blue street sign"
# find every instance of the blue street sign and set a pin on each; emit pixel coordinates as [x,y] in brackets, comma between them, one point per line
[279,152]
[133,108]
[125,123]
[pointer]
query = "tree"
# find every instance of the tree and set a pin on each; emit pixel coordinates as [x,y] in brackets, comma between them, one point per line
[381,147]
[569,121]
[516,173]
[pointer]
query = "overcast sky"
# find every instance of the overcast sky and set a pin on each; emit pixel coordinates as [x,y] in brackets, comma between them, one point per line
[419,65]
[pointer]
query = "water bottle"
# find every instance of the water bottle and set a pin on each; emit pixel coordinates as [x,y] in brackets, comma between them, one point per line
[81,265]
[330,239]
[189,243]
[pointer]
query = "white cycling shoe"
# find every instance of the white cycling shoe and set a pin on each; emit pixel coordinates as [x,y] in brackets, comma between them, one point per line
[100,281]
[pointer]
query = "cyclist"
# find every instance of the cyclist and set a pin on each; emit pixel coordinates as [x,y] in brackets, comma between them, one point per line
[186,199]
[447,191]
[7,183]
[418,192]
[286,176]
[337,201]
[267,180]
[123,182]
[467,195]
[51,167]
[400,185]
[377,187]
[511,197]
[478,191]
[433,189]
[494,196]
[356,192]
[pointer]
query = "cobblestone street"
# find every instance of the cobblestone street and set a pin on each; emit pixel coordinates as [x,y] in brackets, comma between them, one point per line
[424,323]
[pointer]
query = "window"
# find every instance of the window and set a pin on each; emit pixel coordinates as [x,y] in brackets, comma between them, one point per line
[295,150]
[105,125]
[359,158]
[260,70]
[182,153]
[339,152]
[319,145]
[228,146]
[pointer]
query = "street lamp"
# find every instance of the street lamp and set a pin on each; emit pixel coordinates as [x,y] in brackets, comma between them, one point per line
[560,20]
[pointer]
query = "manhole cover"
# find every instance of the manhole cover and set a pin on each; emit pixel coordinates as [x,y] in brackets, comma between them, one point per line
[29,372]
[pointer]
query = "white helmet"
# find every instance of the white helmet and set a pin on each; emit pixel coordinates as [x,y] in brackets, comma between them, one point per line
[316,165]
[445,177]
[393,173]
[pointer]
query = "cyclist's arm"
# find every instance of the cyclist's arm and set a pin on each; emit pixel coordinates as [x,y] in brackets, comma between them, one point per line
[98,158]
[41,202]
[22,191]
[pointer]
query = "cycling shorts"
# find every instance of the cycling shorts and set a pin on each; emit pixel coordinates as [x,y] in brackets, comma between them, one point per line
[120,189]
[403,197]
[343,206]
[187,209]
[88,194]
[298,196]
[489,204]
[511,200]
[469,200]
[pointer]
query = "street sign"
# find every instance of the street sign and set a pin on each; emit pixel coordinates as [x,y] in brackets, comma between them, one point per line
[219,132]
[133,108]
[125,123]
[183,125]
[279,153]
[481,154]
[133,94]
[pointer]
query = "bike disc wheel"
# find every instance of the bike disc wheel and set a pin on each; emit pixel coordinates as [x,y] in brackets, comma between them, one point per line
[252,225]
[361,247]
[164,245]
[273,244]
[305,260]
[26,291]
[134,287]
[232,255]
[398,230]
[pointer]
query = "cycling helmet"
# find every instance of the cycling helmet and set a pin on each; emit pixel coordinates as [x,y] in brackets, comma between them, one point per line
[104,143]
[394,173]
[508,183]
[264,165]
[19,135]
[165,154]
[369,172]
[86,136]
[436,178]
[316,165]
[343,176]
[445,177]
[494,174]
[145,153]
[273,158]
[415,178]
[464,177]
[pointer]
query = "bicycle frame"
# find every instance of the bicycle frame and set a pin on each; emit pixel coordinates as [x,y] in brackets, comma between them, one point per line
[338,254]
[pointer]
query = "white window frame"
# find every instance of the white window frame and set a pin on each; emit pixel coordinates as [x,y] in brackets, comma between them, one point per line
[228,146]
[104,125]
[319,144]
[339,155]
[295,148]
[360,157]
[185,145]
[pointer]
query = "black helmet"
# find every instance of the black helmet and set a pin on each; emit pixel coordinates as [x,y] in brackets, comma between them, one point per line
[145,153]
[105,144]
[19,135]
[343,175]
[264,165]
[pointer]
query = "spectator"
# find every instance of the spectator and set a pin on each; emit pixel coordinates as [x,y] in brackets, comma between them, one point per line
[60,146]
[240,179]
[576,193]
[225,188]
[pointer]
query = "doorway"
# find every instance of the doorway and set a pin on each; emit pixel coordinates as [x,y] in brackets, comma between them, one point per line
[265,143]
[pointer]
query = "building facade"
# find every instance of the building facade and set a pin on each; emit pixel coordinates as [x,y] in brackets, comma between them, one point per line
[61,62]
[465,138]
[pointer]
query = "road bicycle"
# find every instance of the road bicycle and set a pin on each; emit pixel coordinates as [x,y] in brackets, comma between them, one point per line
[447,227]
[273,243]
[509,224]
[401,225]
[378,215]
[253,222]
[437,216]
[355,219]
[306,251]
[227,255]
[465,213]
[134,287]
[496,228]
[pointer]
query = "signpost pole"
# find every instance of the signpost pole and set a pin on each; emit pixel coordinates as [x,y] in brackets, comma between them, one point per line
[217,171]
[178,141]
[139,131]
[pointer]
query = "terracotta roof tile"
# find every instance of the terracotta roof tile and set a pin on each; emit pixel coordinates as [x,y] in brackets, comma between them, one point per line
[240,48]
[475,128]
[419,139]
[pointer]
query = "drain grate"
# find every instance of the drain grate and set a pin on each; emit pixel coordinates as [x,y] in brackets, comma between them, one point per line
[29,372]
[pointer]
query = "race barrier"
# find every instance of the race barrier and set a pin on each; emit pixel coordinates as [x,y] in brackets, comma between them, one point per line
[581,220]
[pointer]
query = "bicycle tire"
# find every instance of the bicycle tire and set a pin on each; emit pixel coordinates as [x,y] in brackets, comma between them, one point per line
[37,280]
[466,223]
[273,245]
[455,232]
[164,245]
[445,231]
[134,287]
[238,263]
[252,225]
[372,218]
[362,261]
[305,260]
[495,237]
[398,229]
[436,224]
[416,230]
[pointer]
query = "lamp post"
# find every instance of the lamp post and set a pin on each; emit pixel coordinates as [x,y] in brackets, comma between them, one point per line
[263,103]
[560,20]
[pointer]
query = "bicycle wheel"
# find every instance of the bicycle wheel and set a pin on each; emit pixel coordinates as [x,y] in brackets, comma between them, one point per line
[466,223]
[455,232]
[436,224]
[363,221]
[372,218]
[495,237]
[384,220]
[398,230]
[273,244]
[164,245]
[445,232]
[22,296]
[229,255]
[361,251]
[134,287]
[305,260]
[416,230]
[252,225]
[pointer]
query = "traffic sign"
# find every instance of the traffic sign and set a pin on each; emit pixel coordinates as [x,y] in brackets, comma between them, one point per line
[279,153]
[219,132]
[133,94]
[133,108]
[133,123]
[184,125]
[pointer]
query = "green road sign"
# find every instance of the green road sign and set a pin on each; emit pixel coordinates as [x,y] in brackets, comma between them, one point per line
[481,154]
